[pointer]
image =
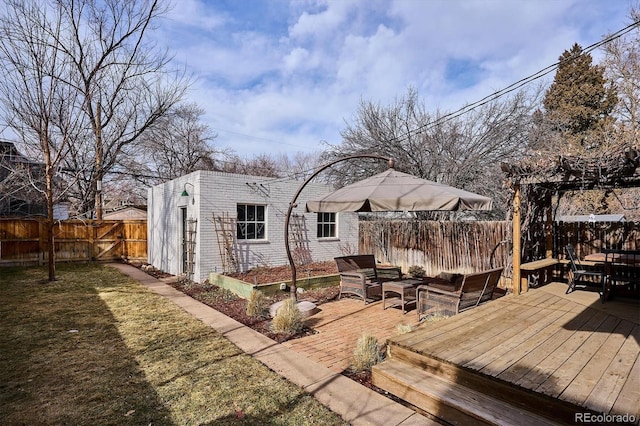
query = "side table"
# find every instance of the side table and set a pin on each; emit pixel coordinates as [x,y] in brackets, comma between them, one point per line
[405,289]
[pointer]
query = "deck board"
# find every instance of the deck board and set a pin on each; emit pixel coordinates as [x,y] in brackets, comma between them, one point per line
[513,339]
[577,360]
[444,340]
[627,401]
[550,357]
[570,347]
[579,389]
[511,366]
[493,334]
[609,387]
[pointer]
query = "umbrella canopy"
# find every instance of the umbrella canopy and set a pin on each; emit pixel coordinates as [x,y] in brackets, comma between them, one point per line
[396,191]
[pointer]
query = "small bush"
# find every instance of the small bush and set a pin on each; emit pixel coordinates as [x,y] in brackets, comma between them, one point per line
[404,328]
[416,271]
[288,319]
[257,304]
[367,353]
[435,317]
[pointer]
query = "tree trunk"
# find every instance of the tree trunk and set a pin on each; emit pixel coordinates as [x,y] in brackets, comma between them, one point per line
[51,248]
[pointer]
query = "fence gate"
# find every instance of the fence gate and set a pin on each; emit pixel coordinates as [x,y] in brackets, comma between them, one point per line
[107,241]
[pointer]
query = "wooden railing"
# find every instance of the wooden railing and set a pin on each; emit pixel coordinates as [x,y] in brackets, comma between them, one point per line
[24,241]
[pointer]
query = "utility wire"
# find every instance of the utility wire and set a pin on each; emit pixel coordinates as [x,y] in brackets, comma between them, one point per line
[514,86]
[467,108]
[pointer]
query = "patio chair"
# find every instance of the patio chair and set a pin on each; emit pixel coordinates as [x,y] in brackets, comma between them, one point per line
[623,271]
[579,272]
[359,276]
[468,291]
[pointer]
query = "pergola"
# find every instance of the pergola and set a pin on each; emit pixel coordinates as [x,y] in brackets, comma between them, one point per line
[616,170]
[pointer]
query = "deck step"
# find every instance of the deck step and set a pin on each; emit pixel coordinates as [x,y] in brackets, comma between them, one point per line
[447,400]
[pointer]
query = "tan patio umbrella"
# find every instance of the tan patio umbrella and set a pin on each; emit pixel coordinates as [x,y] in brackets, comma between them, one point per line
[396,191]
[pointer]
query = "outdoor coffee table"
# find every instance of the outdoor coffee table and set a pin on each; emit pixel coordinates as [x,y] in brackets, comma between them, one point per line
[405,289]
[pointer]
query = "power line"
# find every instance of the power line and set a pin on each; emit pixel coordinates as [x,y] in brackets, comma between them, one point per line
[457,113]
[512,87]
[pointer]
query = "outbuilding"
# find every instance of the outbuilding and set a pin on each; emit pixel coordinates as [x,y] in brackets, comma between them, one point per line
[210,221]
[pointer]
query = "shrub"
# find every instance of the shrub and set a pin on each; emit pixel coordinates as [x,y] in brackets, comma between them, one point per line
[404,328]
[416,271]
[257,304]
[288,319]
[435,317]
[367,353]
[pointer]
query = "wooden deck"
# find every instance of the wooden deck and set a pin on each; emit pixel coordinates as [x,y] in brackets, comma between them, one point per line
[548,346]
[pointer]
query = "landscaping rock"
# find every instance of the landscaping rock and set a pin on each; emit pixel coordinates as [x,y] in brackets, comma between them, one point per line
[306,308]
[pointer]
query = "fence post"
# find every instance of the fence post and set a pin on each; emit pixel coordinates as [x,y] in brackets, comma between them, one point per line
[516,239]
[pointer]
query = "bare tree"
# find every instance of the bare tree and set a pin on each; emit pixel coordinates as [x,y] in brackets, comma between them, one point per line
[122,79]
[299,166]
[463,151]
[37,104]
[176,144]
[622,67]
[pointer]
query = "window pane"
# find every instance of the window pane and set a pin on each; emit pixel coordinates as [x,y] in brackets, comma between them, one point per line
[260,231]
[242,231]
[251,222]
[326,226]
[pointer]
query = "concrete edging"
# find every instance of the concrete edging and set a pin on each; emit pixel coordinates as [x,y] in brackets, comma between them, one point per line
[356,403]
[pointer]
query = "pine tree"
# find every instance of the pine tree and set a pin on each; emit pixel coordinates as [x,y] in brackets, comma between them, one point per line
[579,103]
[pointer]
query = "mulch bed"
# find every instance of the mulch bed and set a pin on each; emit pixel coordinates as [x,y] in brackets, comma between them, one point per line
[235,307]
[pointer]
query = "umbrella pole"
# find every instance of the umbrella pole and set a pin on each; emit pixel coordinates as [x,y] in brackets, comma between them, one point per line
[292,205]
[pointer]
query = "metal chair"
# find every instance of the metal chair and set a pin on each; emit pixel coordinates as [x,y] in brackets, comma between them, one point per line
[622,270]
[578,271]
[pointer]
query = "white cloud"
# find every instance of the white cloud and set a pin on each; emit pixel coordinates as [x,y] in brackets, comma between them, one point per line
[281,76]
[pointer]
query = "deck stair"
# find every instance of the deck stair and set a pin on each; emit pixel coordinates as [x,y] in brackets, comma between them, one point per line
[459,397]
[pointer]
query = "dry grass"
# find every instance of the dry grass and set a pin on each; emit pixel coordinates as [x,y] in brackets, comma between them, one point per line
[257,304]
[404,329]
[288,319]
[367,353]
[95,347]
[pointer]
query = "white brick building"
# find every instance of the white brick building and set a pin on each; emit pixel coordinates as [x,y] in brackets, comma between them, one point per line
[183,236]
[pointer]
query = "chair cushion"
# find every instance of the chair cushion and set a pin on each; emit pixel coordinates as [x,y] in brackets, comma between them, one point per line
[454,279]
[449,276]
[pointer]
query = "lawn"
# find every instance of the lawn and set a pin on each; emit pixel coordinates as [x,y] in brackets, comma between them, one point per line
[96,347]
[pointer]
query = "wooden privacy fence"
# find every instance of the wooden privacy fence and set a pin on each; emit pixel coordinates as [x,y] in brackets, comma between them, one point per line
[439,246]
[475,246]
[24,241]
[595,237]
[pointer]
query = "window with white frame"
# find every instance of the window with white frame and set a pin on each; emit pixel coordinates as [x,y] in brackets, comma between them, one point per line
[326,225]
[251,222]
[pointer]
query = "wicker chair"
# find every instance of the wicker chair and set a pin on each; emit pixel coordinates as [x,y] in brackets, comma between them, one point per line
[360,276]
[466,292]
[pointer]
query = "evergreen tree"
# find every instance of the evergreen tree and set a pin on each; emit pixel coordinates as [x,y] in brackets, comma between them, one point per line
[579,103]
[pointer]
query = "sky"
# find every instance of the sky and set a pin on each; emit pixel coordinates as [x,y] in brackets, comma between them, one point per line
[278,76]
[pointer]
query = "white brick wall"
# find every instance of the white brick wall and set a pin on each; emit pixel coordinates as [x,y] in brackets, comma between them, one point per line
[216,193]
